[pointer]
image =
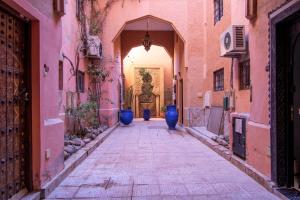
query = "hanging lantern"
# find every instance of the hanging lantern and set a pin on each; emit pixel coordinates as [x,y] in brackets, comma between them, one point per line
[147,40]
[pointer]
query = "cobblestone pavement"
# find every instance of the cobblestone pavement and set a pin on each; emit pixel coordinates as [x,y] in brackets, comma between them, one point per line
[146,161]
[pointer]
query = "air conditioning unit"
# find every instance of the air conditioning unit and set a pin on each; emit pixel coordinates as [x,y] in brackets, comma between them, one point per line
[94,47]
[59,7]
[233,41]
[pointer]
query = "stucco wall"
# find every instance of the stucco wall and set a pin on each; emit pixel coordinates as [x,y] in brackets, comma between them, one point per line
[188,23]
[71,48]
[212,57]
[258,150]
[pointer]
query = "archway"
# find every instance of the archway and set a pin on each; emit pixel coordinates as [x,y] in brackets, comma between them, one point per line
[163,34]
[158,63]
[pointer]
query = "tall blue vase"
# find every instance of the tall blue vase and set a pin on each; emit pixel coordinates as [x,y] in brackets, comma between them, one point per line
[171,117]
[126,116]
[146,114]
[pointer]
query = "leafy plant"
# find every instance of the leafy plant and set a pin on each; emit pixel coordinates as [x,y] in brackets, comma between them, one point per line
[95,28]
[86,116]
[163,109]
[128,97]
[98,73]
[147,87]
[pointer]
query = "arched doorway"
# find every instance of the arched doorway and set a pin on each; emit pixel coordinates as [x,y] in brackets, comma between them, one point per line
[164,35]
[158,64]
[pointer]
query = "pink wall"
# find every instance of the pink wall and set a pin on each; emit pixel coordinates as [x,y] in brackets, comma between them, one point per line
[213,61]
[71,46]
[258,150]
[189,16]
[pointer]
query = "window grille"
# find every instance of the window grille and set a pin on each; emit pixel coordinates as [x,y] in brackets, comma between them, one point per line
[219,80]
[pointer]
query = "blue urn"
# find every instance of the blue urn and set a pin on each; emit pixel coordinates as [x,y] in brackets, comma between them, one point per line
[171,117]
[126,116]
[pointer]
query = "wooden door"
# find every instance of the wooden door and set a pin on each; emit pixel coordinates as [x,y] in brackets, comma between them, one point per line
[12,105]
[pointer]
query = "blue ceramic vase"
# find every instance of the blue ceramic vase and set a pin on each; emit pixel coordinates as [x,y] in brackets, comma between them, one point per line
[147,114]
[171,117]
[126,116]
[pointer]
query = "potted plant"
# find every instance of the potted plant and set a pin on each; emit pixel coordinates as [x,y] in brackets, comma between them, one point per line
[146,114]
[126,115]
[163,110]
[147,93]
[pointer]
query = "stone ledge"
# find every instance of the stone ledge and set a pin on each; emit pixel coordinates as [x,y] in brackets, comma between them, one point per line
[239,163]
[32,196]
[74,160]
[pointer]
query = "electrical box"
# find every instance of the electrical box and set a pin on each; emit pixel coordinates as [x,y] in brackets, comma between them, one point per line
[226,103]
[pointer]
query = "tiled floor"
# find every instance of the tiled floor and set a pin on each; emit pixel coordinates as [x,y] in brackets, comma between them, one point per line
[146,161]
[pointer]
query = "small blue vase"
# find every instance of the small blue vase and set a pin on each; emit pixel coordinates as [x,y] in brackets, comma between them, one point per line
[126,116]
[171,117]
[147,114]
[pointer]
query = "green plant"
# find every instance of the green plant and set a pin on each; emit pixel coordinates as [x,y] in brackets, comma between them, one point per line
[95,28]
[86,116]
[147,86]
[163,109]
[98,73]
[128,97]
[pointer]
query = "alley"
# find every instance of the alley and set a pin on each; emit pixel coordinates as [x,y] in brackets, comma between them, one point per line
[147,161]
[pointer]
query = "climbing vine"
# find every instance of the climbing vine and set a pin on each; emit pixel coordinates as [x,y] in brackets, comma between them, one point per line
[91,19]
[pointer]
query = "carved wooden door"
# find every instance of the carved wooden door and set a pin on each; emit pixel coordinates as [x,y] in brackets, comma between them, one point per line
[12,106]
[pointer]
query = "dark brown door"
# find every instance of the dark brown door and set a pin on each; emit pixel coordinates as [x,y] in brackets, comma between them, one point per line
[181,100]
[12,105]
[295,104]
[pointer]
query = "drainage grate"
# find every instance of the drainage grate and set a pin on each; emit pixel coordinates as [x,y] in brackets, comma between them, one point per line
[157,127]
[290,193]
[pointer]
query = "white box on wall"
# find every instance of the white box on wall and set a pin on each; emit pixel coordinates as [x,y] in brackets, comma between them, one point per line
[207,99]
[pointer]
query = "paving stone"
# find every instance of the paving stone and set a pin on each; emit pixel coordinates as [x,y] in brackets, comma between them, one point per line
[173,189]
[146,190]
[147,198]
[91,192]
[146,180]
[201,189]
[63,193]
[156,164]
[119,191]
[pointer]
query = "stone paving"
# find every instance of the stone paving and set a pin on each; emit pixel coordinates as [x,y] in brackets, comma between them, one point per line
[146,161]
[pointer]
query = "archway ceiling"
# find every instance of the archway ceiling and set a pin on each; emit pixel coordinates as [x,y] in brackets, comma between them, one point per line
[153,25]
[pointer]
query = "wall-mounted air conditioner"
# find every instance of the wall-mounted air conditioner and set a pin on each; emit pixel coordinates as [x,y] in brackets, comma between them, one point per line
[233,41]
[94,47]
[59,7]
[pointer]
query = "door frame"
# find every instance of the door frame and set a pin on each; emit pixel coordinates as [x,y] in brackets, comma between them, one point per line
[279,98]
